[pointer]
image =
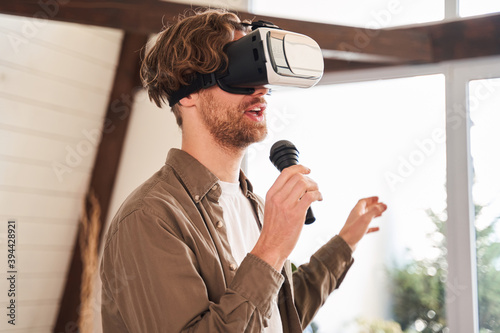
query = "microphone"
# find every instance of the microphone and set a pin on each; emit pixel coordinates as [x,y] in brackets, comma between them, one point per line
[284,154]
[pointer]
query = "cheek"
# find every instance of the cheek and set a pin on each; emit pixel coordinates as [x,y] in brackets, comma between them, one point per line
[235,101]
[217,100]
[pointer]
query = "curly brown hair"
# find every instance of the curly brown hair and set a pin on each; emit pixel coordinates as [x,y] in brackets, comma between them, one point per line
[192,45]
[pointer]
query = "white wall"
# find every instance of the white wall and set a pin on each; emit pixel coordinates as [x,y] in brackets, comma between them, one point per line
[54,84]
[152,132]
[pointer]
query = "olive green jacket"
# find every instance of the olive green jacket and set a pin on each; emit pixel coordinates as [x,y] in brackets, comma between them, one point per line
[167,264]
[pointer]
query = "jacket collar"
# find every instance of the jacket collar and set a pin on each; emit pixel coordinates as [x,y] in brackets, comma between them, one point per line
[197,179]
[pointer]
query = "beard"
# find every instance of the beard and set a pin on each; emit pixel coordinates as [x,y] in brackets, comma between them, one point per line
[228,125]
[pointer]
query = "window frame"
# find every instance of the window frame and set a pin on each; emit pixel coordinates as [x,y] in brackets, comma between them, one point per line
[463,313]
[461,287]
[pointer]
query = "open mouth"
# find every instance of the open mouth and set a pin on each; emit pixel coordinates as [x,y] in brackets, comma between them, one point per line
[256,112]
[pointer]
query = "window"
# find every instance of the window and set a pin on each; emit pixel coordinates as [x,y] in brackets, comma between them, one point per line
[478,7]
[484,106]
[465,144]
[362,13]
[386,138]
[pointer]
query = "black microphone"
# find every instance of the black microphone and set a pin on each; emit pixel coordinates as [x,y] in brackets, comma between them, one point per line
[284,154]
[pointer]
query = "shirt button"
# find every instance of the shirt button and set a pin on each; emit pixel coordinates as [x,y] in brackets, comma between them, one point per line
[233,267]
[215,187]
[219,224]
[196,198]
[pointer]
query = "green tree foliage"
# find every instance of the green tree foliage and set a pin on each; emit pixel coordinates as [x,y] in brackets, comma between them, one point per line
[418,288]
[488,272]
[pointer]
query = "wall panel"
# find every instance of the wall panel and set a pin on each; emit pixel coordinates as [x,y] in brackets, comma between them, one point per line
[55,80]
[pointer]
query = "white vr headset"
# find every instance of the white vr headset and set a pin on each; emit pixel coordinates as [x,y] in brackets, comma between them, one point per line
[268,56]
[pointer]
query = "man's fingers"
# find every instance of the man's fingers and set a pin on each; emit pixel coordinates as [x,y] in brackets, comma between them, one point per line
[288,173]
[357,224]
[371,212]
[292,185]
[368,201]
[298,187]
[368,207]
[376,210]
[382,207]
[310,196]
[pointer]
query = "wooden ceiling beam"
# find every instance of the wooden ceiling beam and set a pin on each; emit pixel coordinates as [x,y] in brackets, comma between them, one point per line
[462,39]
[430,43]
[400,46]
[126,84]
[146,17]
[334,65]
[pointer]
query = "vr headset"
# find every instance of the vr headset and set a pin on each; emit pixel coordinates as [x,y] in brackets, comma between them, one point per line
[268,56]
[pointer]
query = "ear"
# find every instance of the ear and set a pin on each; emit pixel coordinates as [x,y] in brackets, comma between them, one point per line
[190,100]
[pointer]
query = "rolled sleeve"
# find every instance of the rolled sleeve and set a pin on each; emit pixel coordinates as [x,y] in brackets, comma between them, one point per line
[258,282]
[314,282]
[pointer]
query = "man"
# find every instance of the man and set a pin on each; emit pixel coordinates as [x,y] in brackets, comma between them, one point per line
[193,249]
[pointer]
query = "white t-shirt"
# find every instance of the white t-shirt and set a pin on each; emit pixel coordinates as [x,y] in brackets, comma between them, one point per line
[242,233]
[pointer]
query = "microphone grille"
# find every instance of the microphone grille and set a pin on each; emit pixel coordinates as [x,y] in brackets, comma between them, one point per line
[284,154]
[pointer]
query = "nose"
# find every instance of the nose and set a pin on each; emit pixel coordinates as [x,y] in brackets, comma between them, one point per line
[260,91]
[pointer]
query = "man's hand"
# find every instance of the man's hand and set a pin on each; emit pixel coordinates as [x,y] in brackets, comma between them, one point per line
[287,202]
[357,224]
